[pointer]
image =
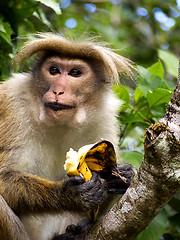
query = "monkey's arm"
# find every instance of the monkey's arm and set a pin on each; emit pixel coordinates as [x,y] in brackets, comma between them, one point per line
[28,193]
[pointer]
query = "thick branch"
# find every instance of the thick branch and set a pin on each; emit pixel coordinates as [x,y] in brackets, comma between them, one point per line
[13,228]
[157,180]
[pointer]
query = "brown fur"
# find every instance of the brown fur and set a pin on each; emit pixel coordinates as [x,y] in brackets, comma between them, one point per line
[112,62]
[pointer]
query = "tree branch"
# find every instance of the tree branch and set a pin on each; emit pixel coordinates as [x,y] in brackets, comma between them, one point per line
[157,180]
[13,228]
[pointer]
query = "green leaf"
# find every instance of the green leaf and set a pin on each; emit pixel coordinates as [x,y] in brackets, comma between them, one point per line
[156,229]
[42,17]
[157,69]
[138,94]
[6,33]
[132,157]
[158,112]
[171,62]
[20,10]
[143,85]
[126,117]
[148,81]
[170,82]
[175,204]
[52,4]
[5,68]
[145,74]
[123,94]
[174,222]
[158,96]
[2,29]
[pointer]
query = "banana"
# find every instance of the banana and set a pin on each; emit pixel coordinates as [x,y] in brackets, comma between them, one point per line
[100,155]
[71,163]
[75,164]
[93,157]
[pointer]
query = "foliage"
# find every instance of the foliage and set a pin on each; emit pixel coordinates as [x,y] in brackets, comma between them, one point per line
[143,30]
[15,21]
[138,28]
[144,105]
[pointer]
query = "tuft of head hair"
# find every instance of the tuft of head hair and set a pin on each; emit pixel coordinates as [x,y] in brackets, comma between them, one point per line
[113,63]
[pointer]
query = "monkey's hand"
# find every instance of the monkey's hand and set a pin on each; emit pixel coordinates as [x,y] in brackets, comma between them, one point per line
[73,231]
[85,195]
[118,178]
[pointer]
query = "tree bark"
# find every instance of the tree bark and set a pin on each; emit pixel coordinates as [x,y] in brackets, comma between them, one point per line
[11,227]
[157,180]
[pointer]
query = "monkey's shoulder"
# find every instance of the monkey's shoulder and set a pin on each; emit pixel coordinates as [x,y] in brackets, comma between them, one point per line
[12,109]
[14,92]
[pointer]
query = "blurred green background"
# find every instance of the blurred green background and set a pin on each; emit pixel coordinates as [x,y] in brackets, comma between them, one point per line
[147,32]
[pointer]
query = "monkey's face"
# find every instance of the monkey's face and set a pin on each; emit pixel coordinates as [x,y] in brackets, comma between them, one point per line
[68,84]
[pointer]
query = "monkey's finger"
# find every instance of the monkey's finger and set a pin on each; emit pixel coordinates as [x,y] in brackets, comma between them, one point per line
[95,177]
[124,167]
[75,181]
[117,191]
[126,170]
[92,183]
[116,186]
[98,191]
[106,173]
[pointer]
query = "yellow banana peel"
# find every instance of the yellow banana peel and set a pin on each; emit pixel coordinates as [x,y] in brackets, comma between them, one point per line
[93,157]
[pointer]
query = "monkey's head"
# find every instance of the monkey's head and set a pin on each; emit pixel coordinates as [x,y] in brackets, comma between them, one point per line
[68,86]
[71,76]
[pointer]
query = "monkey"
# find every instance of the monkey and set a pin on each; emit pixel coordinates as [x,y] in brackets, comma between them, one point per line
[65,100]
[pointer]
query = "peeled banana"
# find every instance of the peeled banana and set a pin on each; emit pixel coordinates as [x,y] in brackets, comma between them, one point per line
[76,165]
[93,157]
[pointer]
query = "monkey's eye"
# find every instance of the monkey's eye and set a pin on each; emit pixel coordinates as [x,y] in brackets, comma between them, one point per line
[75,72]
[54,70]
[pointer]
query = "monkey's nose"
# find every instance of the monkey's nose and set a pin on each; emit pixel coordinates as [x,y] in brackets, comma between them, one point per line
[58,93]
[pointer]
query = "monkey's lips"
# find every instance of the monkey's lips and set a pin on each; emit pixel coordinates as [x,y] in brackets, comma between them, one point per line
[56,106]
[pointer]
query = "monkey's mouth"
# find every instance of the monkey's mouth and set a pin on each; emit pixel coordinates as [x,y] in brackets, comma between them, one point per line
[56,106]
